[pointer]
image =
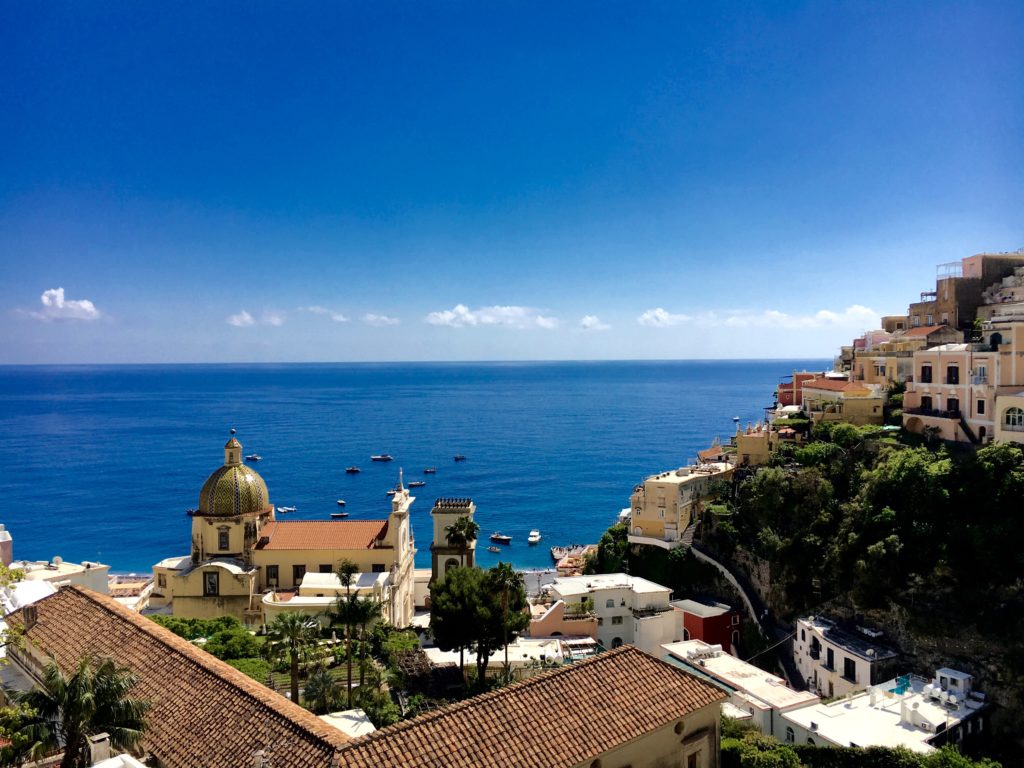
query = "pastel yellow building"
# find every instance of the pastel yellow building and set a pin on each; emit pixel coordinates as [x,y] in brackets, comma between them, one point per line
[839,400]
[665,505]
[240,551]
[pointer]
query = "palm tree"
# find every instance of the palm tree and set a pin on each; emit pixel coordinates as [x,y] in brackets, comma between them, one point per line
[93,699]
[461,534]
[321,691]
[344,613]
[290,636]
[505,579]
[365,613]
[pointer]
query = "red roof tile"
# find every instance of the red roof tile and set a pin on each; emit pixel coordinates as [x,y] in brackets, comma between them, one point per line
[323,534]
[559,718]
[205,712]
[924,330]
[832,385]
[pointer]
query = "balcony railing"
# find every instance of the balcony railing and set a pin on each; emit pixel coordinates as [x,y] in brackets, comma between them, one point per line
[976,380]
[1013,427]
[933,413]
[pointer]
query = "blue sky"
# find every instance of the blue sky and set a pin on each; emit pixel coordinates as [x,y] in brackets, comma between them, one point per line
[447,181]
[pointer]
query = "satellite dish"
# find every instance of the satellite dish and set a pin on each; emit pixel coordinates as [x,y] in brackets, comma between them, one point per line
[57,560]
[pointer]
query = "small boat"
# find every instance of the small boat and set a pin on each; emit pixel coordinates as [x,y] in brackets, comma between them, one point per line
[253,457]
[382,457]
[430,471]
[352,470]
[534,537]
[392,492]
[459,457]
[339,514]
[417,483]
[286,510]
[493,549]
[341,502]
[500,538]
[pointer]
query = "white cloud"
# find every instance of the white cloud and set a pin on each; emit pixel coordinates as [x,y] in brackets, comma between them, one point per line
[335,316]
[242,320]
[379,320]
[660,318]
[56,307]
[273,317]
[547,323]
[461,316]
[593,323]
[854,317]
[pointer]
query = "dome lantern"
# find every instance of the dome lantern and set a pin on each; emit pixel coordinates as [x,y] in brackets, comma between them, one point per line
[232,451]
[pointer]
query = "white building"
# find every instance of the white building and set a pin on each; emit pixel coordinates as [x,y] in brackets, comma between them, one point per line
[908,711]
[754,695]
[319,592]
[94,576]
[629,610]
[835,662]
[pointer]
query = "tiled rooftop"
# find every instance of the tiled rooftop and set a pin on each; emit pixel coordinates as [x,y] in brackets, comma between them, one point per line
[205,712]
[832,385]
[322,534]
[559,718]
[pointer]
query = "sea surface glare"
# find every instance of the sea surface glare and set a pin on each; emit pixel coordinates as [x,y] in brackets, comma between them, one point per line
[101,463]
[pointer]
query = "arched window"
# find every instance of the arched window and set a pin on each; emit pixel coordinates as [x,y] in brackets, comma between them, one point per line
[811,741]
[450,563]
[609,603]
[790,736]
[686,634]
[616,642]
[1013,419]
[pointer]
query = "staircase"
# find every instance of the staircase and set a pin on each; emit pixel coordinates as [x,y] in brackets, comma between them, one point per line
[968,431]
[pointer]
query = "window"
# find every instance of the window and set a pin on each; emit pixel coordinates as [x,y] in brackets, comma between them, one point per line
[803,636]
[850,670]
[223,538]
[953,404]
[272,575]
[1013,419]
[450,563]
[377,568]
[298,571]
[981,407]
[616,619]
[917,321]
[926,402]
[325,568]
[926,374]
[830,659]
[609,603]
[929,319]
[790,736]
[811,741]
[211,584]
[945,318]
[161,580]
[616,642]
[952,374]
[693,760]
[600,621]
[735,620]
[686,634]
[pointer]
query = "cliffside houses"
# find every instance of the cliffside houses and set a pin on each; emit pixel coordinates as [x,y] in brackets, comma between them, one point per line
[666,504]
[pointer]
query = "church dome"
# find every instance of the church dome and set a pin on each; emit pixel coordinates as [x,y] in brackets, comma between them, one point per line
[234,489]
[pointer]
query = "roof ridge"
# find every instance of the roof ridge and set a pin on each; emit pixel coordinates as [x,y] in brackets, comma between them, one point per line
[299,716]
[543,677]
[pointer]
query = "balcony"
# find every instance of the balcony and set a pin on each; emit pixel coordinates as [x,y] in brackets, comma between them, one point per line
[644,613]
[955,415]
[979,380]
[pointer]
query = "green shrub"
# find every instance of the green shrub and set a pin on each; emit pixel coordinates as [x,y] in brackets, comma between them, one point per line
[233,644]
[192,629]
[257,669]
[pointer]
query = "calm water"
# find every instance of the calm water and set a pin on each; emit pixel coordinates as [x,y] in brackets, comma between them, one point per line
[102,462]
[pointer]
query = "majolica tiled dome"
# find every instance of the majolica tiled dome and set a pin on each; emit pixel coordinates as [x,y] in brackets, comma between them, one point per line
[234,489]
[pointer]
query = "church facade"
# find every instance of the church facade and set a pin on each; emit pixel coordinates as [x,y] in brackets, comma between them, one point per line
[240,551]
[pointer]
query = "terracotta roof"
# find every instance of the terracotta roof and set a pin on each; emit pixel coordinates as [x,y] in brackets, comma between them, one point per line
[205,712]
[924,330]
[559,718]
[323,534]
[711,453]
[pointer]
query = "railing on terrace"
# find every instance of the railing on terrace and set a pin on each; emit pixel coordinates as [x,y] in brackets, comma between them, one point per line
[643,613]
[933,413]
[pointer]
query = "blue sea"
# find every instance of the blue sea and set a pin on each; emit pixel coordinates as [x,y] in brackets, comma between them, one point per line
[101,462]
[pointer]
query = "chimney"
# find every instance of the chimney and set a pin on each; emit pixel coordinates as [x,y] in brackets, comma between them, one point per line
[99,748]
[29,616]
[260,759]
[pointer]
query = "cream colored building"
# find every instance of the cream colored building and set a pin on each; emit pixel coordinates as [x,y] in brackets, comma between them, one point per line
[838,400]
[240,551]
[965,392]
[835,662]
[667,503]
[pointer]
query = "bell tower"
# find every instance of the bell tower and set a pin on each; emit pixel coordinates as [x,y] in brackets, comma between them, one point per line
[447,552]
